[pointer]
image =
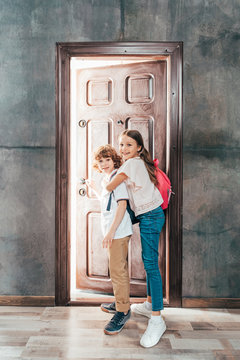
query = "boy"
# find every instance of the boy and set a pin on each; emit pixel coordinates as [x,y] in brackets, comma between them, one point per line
[117,230]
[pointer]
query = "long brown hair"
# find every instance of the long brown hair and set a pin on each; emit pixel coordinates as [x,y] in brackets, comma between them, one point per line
[143,153]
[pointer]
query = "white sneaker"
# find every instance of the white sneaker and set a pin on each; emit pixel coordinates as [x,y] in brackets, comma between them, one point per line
[153,333]
[141,309]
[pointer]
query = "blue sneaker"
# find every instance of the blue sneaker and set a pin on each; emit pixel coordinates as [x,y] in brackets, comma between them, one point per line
[109,308]
[117,322]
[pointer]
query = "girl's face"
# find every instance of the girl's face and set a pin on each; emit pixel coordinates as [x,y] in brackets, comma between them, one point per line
[128,147]
[106,165]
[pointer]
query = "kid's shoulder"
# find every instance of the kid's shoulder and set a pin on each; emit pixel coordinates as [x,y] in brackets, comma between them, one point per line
[130,166]
[121,186]
[121,191]
[132,162]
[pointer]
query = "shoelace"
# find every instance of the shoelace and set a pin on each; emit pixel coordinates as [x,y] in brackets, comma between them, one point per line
[116,319]
[150,327]
[113,306]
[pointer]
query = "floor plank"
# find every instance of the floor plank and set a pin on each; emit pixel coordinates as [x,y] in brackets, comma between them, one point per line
[67,333]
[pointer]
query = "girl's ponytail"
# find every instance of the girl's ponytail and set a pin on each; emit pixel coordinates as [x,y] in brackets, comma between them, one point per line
[145,156]
[143,153]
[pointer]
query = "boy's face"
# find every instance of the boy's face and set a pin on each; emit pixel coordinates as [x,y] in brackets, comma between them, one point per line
[106,165]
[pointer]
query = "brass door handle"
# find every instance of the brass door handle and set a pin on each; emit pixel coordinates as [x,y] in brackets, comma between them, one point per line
[82,192]
[82,123]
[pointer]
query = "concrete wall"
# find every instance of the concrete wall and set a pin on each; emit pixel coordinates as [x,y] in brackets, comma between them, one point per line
[210,31]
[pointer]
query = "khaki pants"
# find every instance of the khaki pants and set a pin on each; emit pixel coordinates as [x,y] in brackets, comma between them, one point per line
[118,267]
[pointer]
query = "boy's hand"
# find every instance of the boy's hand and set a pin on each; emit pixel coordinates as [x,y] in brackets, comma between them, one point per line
[107,241]
[90,183]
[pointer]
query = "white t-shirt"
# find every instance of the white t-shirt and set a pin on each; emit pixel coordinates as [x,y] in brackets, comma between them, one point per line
[125,227]
[143,194]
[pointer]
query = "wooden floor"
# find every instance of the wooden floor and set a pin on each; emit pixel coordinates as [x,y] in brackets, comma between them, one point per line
[77,333]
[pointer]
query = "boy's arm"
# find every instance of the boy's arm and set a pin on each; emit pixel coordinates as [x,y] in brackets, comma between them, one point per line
[117,180]
[122,205]
[92,185]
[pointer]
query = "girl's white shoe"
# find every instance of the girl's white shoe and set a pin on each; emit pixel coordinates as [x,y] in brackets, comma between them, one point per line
[153,333]
[141,309]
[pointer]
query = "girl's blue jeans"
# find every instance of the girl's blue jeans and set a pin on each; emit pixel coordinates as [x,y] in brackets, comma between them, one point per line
[151,224]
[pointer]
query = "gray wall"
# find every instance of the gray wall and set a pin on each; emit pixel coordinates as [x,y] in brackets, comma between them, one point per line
[210,31]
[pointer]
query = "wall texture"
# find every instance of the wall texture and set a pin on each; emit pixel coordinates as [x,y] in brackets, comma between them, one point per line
[210,31]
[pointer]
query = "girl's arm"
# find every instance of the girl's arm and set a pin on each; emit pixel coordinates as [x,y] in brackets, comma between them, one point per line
[122,205]
[117,180]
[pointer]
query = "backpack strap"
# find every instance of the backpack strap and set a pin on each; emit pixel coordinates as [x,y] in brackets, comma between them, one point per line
[113,174]
[109,202]
[111,193]
[133,218]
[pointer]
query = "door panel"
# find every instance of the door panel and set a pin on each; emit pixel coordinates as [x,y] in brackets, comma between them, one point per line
[110,100]
[144,124]
[136,269]
[96,265]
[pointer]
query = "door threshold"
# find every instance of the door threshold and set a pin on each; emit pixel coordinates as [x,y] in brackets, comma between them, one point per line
[98,301]
[94,299]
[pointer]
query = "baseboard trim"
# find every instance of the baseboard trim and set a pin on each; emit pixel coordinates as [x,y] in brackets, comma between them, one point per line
[231,303]
[8,300]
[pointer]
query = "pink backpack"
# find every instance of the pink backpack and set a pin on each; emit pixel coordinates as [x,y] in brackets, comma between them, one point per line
[164,185]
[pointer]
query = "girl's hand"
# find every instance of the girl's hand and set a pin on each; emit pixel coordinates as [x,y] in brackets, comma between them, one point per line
[117,180]
[107,241]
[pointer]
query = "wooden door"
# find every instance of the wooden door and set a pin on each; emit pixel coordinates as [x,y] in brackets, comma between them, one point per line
[109,100]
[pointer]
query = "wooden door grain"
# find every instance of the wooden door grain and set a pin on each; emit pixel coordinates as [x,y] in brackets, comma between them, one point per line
[109,100]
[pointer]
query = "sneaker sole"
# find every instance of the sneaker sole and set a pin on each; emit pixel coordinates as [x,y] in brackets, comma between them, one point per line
[116,331]
[148,346]
[112,332]
[108,311]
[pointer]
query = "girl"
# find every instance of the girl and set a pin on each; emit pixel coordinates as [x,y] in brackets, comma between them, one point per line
[117,230]
[138,172]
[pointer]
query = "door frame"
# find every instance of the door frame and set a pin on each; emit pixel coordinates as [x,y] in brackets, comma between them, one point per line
[64,52]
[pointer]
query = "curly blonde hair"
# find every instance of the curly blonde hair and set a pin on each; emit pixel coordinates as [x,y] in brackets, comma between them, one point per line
[106,151]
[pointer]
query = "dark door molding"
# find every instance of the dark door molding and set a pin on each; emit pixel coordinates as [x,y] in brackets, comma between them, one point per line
[64,52]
